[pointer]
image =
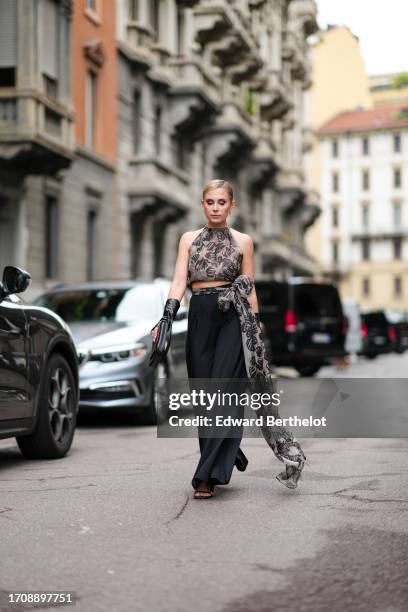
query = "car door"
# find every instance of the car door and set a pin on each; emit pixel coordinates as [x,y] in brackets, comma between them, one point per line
[14,402]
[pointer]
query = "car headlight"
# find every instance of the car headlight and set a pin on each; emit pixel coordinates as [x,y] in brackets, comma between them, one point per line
[109,354]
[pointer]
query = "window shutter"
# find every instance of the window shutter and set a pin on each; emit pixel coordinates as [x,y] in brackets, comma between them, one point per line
[8,33]
[49,49]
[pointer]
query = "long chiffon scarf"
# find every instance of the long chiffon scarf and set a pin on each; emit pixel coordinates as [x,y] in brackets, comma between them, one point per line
[282,442]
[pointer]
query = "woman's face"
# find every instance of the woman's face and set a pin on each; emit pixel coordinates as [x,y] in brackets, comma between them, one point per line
[217,205]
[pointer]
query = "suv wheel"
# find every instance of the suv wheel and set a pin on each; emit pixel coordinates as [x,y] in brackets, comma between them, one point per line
[56,413]
[158,409]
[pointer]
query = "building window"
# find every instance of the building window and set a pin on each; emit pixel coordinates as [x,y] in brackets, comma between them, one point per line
[366,286]
[91,5]
[397,247]
[90,108]
[49,48]
[397,214]
[50,86]
[335,148]
[8,43]
[157,128]
[365,215]
[365,146]
[7,77]
[365,176]
[397,178]
[335,251]
[180,151]
[134,10]
[365,248]
[136,120]
[155,18]
[51,237]
[181,31]
[397,286]
[335,216]
[335,182]
[397,143]
[91,244]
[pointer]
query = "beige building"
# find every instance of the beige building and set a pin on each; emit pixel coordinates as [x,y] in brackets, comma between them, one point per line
[387,89]
[339,83]
[364,163]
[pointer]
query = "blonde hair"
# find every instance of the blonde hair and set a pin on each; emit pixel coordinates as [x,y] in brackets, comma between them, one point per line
[219,184]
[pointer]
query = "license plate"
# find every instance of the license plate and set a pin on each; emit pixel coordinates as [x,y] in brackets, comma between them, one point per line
[323,338]
[379,340]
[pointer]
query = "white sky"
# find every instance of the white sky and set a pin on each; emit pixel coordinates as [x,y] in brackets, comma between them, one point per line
[381,26]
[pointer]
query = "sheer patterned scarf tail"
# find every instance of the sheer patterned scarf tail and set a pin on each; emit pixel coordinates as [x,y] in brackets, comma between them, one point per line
[285,447]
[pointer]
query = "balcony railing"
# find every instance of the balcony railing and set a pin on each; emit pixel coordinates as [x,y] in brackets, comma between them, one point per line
[36,132]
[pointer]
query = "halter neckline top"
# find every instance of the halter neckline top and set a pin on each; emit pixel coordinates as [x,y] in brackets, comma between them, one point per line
[214,255]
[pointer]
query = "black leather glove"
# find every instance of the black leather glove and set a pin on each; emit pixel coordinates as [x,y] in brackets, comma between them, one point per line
[163,338]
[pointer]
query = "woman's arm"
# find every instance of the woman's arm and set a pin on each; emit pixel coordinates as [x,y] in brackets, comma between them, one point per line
[248,268]
[179,282]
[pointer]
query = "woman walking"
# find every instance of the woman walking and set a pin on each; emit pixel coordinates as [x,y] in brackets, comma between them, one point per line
[223,338]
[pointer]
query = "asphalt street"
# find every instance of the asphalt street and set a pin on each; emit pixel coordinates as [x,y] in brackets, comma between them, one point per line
[115,522]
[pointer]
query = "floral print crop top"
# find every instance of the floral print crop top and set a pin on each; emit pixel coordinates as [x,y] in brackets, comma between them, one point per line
[214,255]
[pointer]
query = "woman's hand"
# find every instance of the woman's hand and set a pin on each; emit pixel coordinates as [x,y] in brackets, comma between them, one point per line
[154,332]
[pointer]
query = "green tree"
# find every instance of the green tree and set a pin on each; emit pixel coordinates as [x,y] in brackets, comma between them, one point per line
[400,80]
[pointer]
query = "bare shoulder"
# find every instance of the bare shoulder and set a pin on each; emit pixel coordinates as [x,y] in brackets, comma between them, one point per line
[244,240]
[187,238]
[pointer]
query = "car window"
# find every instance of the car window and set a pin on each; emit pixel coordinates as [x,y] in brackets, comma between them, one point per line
[104,304]
[375,319]
[316,300]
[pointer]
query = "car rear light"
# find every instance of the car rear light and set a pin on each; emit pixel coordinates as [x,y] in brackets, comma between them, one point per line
[290,321]
[364,330]
[391,333]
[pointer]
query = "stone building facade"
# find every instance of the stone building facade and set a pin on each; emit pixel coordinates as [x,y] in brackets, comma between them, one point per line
[114,113]
[213,89]
[58,140]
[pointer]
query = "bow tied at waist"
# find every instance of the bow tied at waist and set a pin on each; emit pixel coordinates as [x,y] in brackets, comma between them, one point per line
[238,290]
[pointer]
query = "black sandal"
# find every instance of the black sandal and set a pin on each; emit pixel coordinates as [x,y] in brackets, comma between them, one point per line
[207,494]
[199,494]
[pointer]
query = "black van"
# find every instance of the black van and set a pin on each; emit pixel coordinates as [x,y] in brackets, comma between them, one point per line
[304,321]
[379,335]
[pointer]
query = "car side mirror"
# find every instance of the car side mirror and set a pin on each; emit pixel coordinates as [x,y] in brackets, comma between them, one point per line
[15,280]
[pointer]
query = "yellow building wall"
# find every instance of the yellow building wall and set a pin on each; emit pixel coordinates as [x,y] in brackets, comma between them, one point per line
[381,284]
[389,96]
[339,83]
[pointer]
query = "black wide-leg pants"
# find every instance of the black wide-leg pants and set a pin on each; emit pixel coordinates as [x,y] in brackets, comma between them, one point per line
[214,350]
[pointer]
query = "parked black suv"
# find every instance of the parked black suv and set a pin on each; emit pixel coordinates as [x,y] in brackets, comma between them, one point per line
[305,323]
[378,333]
[399,321]
[39,386]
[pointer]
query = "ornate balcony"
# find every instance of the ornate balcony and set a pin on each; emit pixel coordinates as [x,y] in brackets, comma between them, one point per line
[211,21]
[308,136]
[311,209]
[154,185]
[274,101]
[36,133]
[290,186]
[304,13]
[279,251]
